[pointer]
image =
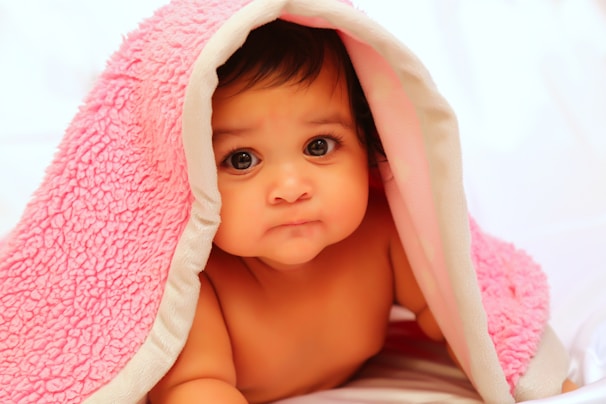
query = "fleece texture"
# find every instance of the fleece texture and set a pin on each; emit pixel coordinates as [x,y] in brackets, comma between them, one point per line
[516,312]
[99,279]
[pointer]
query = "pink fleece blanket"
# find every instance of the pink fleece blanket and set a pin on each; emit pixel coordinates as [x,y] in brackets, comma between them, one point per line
[97,279]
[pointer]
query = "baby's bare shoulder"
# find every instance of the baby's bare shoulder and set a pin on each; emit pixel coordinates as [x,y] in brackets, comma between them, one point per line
[380,219]
[206,356]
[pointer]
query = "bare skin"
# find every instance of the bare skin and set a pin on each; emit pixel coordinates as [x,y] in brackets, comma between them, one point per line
[568,386]
[307,341]
[307,262]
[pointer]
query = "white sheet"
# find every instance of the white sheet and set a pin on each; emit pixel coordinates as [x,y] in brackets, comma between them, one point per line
[527,79]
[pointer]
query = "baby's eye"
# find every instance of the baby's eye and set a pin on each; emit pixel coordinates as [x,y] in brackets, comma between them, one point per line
[320,146]
[241,160]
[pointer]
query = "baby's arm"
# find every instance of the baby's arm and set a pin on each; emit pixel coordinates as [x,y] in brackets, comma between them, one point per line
[205,371]
[408,293]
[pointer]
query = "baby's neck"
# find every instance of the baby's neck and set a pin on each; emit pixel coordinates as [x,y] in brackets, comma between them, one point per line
[268,272]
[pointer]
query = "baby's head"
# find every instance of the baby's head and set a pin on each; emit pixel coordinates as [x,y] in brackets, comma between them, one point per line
[292,136]
[282,52]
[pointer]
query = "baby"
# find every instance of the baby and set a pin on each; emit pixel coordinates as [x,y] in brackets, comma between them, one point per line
[306,263]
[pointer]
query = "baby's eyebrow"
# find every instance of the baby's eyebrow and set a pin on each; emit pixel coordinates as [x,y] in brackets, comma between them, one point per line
[217,132]
[332,119]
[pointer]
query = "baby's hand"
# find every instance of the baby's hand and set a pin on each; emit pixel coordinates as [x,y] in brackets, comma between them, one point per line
[568,385]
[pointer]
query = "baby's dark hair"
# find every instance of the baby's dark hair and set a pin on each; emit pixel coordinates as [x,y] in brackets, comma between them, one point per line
[284,52]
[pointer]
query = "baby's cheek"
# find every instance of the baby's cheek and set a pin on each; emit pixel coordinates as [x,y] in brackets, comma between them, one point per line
[352,209]
[229,240]
[226,233]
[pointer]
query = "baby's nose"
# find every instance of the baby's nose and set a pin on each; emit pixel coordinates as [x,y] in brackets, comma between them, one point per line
[290,185]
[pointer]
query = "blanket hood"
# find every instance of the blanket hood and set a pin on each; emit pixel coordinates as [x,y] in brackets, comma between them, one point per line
[100,277]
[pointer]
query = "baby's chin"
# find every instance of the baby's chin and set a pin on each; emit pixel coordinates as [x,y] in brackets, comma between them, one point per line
[279,260]
[287,253]
[288,263]
[301,259]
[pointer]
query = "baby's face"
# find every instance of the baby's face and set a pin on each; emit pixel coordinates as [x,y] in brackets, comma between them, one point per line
[293,175]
